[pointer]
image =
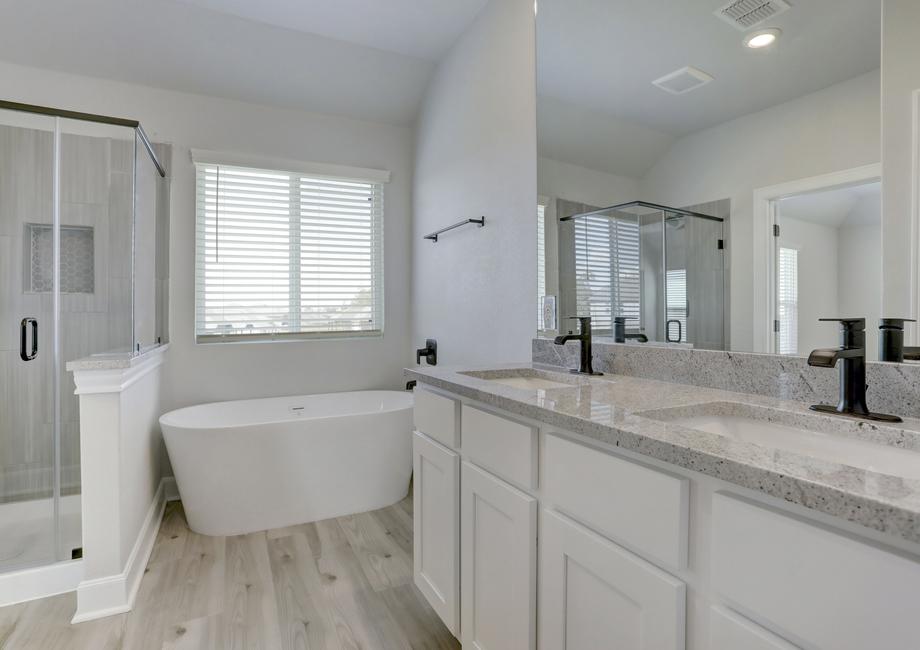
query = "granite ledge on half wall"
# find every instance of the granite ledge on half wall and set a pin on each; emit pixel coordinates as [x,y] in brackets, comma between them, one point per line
[892,387]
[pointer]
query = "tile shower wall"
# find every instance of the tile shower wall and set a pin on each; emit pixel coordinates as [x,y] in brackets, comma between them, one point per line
[893,387]
[96,210]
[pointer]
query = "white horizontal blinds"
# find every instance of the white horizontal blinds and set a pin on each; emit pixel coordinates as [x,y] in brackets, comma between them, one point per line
[280,254]
[541,262]
[676,293]
[607,270]
[788,298]
[627,287]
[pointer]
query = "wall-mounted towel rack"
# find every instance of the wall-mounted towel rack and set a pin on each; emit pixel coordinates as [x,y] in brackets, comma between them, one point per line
[434,236]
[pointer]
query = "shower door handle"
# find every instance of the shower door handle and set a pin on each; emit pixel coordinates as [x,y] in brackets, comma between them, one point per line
[667,331]
[23,335]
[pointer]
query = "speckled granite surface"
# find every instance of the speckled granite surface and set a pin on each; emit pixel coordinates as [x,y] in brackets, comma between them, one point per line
[893,387]
[610,410]
[115,360]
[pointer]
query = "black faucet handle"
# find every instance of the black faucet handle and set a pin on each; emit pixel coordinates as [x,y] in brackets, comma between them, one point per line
[583,321]
[429,352]
[847,323]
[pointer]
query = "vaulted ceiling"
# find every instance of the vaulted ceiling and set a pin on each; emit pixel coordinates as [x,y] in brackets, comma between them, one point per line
[367,59]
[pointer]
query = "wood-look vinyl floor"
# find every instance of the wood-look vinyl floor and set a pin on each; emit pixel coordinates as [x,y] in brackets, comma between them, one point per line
[342,583]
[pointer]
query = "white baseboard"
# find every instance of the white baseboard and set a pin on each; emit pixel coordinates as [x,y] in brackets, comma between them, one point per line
[115,594]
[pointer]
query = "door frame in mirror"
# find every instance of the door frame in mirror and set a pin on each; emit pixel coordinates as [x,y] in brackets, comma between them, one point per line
[764,259]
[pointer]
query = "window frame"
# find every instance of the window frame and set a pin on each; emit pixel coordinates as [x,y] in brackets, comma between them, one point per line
[298,170]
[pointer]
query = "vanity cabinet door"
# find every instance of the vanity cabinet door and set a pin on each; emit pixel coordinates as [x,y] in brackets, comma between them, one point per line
[436,521]
[498,550]
[731,631]
[596,594]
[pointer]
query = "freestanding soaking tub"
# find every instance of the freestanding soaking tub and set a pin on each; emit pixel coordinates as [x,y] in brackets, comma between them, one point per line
[256,464]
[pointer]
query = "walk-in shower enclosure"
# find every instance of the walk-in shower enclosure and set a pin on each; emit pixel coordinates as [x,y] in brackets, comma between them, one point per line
[661,268]
[84,203]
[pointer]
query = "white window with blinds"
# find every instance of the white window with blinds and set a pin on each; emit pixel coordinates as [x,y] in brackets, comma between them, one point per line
[676,304]
[788,300]
[541,262]
[287,253]
[607,271]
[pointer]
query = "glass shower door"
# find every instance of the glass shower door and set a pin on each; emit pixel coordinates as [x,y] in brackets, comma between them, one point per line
[28,451]
[694,278]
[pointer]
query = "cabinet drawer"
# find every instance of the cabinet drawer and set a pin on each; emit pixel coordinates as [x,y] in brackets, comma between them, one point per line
[436,416]
[642,508]
[505,447]
[816,586]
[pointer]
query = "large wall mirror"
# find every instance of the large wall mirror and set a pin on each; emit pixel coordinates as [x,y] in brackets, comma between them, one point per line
[711,172]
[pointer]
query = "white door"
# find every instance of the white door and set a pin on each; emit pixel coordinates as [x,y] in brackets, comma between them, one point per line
[436,521]
[498,550]
[595,594]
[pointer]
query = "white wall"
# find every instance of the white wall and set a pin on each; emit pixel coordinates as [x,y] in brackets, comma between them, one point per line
[859,278]
[817,247]
[564,180]
[199,373]
[900,79]
[829,130]
[474,290]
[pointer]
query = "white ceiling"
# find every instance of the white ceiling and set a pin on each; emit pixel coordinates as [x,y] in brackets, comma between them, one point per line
[857,205]
[367,59]
[420,29]
[603,55]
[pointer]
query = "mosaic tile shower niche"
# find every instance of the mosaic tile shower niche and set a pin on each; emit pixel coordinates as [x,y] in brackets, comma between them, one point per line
[77,259]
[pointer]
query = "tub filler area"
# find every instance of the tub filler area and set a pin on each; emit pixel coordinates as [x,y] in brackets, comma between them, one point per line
[251,465]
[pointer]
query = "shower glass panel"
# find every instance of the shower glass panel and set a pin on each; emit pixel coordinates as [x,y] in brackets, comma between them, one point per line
[660,267]
[70,192]
[27,431]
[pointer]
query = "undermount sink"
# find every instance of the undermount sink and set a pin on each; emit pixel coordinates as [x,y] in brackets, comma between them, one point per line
[799,433]
[527,378]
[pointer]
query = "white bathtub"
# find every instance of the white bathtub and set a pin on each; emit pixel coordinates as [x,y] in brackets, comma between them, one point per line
[267,463]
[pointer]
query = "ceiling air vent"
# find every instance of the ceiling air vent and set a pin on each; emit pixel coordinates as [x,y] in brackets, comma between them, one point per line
[745,14]
[683,80]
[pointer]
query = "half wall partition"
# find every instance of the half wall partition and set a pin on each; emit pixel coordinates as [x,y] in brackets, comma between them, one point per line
[83,259]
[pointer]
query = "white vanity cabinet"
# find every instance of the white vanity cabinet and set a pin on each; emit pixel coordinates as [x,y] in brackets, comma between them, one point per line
[731,631]
[498,556]
[436,527]
[596,594]
[629,552]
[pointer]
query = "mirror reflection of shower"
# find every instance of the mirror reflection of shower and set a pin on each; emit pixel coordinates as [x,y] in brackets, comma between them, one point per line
[660,268]
[83,219]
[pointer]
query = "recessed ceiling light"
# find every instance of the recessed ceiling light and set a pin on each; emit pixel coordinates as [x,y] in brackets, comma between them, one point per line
[762,38]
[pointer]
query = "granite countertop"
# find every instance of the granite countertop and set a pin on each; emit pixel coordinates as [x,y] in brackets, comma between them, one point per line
[631,413]
[115,360]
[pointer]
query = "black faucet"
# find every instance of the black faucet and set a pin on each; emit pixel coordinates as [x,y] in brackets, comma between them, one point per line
[429,353]
[891,341]
[852,354]
[586,367]
[620,334]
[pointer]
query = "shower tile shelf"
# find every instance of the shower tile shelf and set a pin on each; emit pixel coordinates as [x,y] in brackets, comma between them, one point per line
[77,259]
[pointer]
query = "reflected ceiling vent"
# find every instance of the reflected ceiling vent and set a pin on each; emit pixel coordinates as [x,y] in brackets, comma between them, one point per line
[745,14]
[683,80]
